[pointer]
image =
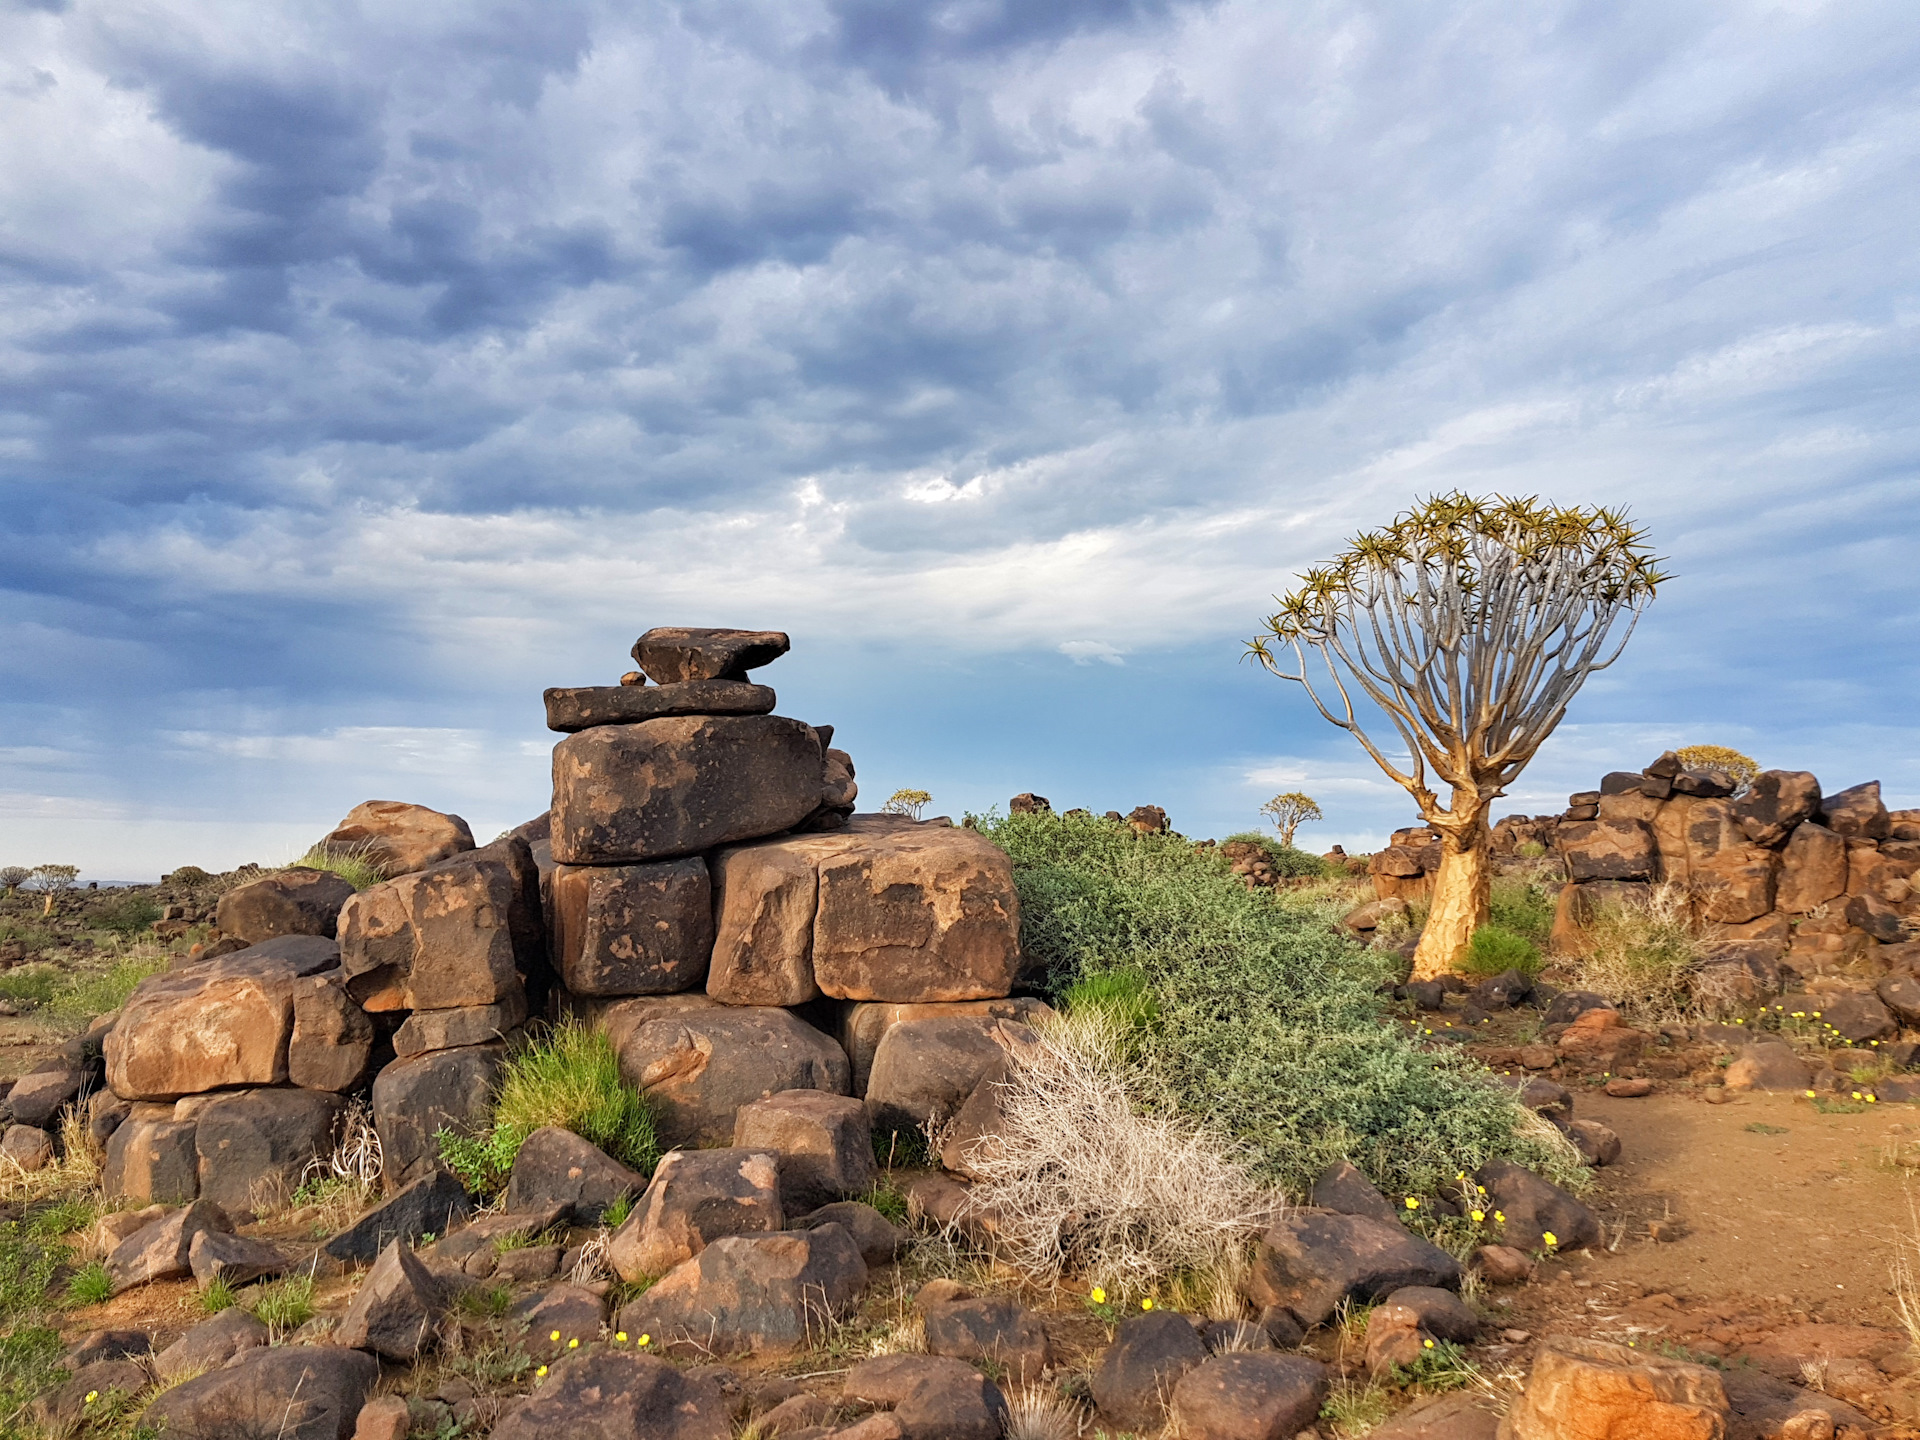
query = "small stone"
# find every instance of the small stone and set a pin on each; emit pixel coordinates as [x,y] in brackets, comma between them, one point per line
[528,1265]
[992,1329]
[27,1146]
[931,1395]
[1503,1265]
[1623,1087]
[1597,1144]
[210,1344]
[235,1259]
[385,1417]
[162,1250]
[1536,1208]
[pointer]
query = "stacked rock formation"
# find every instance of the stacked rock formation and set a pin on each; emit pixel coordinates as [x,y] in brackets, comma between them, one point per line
[700,889]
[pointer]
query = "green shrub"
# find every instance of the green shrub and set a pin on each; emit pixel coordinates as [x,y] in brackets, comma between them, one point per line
[1645,956]
[29,1364]
[1124,996]
[33,983]
[615,1215]
[1270,1028]
[1519,904]
[1494,950]
[125,915]
[87,993]
[569,1076]
[1285,860]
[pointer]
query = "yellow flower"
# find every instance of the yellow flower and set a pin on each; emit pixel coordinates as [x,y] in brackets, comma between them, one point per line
[1099,1296]
[1412,1204]
[92,1395]
[1872,1098]
[1429,1344]
[1550,1238]
[1500,1217]
[1481,1188]
[646,1339]
[1809,1094]
[1478,1216]
[541,1373]
[621,1336]
[1856,1094]
[574,1344]
[554,1336]
[1147,1304]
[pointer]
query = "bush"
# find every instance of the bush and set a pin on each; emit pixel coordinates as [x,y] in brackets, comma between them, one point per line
[126,915]
[1494,950]
[1295,864]
[1645,957]
[1719,757]
[570,1077]
[1270,1029]
[1519,904]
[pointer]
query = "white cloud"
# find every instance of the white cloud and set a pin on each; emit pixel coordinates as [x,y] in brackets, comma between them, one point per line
[1085,652]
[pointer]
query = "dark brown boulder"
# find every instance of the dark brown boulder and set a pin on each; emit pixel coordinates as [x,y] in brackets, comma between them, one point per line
[823,1144]
[397,1307]
[557,1167]
[1767,1065]
[993,1329]
[163,1249]
[399,838]
[413,1100]
[615,1394]
[1608,850]
[271,1392]
[210,1344]
[255,1145]
[1250,1397]
[1858,1017]
[1813,869]
[1775,803]
[556,1318]
[924,1070]
[236,1259]
[1343,1189]
[930,1396]
[762,1294]
[287,902]
[625,794]
[632,929]
[431,1205]
[583,707]
[1858,813]
[151,1157]
[1138,1373]
[1440,1313]
[64,1409]
[695,1198]
[331,1044]
[881,1241]
[1311,1260]
[1536,1208]
[39,1096]
[426,1031]
[672,654]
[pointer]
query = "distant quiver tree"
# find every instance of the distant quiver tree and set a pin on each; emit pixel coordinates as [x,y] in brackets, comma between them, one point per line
[1470,624]
[1289,812]
[12,877]
[906,802]
[55,881]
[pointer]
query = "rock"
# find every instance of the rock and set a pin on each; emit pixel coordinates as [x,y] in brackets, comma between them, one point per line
[623,794]
[459,933]
[558,1317]
[823,1143]
[672,655]
[973,1137]
[1507,989]
[1594,1387]
[396,1308]
[1858,1017]
[1543,1097]
[924,1070]
[930,1396]
[63,1409]
[864,1025]
[699,1065]
[1623,1087]
[1536,1208]
[425,1031]
[255,1145]
[1311,1260]
[1768,1407]
[1858,813]
[557,1167]
[27,1146]
[583,707]
[1877,918]
[1459,1416]
[1027,803]
[1438,1313]
[97,1345]
[886,909]
[881,1241]
[1707,784]
[1600,1040]
[331,1044]
[1776,801]
[614,1394]
[633,929]
[761,1294]
[399,838]
[1137,1374]
[236,1259]
[287,902]
[1813,869]
[210,1344]
[215,1025]
[1344,1190]
[1597,1144]
[162,1250]
[271,1392]
[431,1205]
[695,1198]
[945,1203]
[38,1098]
[105,1112]
[1901,995]
[385,1417]
[1503,1265]
[1736,885]
[527,1266]
[1767,1065]
[993,1329]
[152,1159]
[413,1100]
[1607,850]
[1372,915]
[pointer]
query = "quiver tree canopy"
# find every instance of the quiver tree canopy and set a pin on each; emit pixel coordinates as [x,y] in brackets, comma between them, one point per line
[1470,624]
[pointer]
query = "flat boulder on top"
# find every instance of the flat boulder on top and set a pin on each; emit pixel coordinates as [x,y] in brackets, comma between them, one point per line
[585,706]
[1775,802]
[1311,1260]
[625,794]
[457,933]
[287,902]
[699,1064]
[1858,813]
[1536,1208]
[762,1294]
[1607,850]
[211,1026]
[617,1395]
[885,909]
[929,1395]
[695,1198]
[1594,1387]
[271,1392]
[425,1031]
[674,654]
[632,929]
[399,838]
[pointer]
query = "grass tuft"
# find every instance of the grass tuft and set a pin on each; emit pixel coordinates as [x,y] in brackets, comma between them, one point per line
[1494,950]
[217,1296]
[283,1305]
[90,1285]
[352,864]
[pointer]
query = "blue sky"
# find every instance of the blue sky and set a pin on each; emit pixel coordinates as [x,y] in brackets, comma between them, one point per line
[365,369]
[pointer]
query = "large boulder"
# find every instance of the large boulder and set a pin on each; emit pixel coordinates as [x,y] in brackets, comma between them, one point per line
[1310,1260]
[994,1329]
[163,1249]
[556,1167]
[695,1198]
[397,1307]
[331,1044]
[571,708]
[1607,850]
[287,902]
[1342,1188]
[677,654]
[1139,1371]
[1813,869]
[431,1205]
[1858,813]
[1535,1209]
[924,1070]
[1776,801]
[39,1096]
[455,934]
[1584,1388]
[763,1294]
[398,838]
[624,794]
[211,1344]
[271,1392]
[1250,1396]
[254,1145]
[824,1144]
[886,909]
[215,1256]
[618,1395]
[211,1026]
[1736,885]
[151,1158]
[413,1100]
[699,1064]
[863,1025]
[632,929]
[1767,1065]
[927,1396]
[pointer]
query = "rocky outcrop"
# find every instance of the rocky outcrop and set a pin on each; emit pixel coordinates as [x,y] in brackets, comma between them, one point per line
[397,838]
[634,929]
[287,902]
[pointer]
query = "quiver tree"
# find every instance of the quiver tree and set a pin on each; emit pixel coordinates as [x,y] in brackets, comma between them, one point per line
[1289,812]
[906,802]
[55,881]
[1470,625]
[12,877]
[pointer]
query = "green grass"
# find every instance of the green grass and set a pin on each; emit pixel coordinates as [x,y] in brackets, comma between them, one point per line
[34,983]
[218,1296]
[283,1305]
[30,1348]
[1760,1127]
[125,915]
[885,1197]
[1124,996]
[486,1302]
[1285,859]
[29,1363]
[61,1216]
[615,1215]
[1494,950]
[351,865]
[569,1076]
[31,936]
[85,994]
[90,1284]
[1519,904]
[1270,1025]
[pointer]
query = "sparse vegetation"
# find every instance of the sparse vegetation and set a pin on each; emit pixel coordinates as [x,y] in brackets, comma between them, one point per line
[1719,757]
[90,1284]
[1286,861]
[352,864]
[1645,956]
[1521,905]
[54,881]
[282,1305]
[126,915]
[1289,812]
[1494,950]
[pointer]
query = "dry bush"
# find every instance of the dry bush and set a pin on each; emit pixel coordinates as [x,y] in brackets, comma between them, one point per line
[1036,1413]
[1646,955]
[1082,1182]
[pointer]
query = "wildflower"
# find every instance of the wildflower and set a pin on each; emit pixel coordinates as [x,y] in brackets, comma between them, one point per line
[1551,1238]
[541,1373]
[1856,1094]
[1478,1216]
[1099,1296]
[1412,1203]
[1500,1217]
[92,1395]
[621,1336]
[1147,1304]
[555,1336]
[646,1339]
[1809,1094]
[1429,1344]
[574,1344]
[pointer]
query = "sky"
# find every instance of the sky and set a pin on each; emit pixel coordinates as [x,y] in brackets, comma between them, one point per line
[365,369]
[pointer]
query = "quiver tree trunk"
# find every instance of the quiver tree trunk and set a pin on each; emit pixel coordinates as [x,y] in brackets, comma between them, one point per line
[1461,889]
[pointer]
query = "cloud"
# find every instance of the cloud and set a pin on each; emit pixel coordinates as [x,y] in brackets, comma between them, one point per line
[1085,652]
